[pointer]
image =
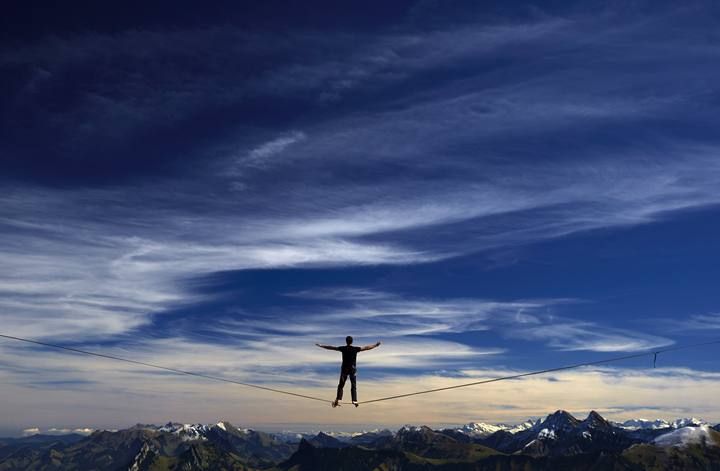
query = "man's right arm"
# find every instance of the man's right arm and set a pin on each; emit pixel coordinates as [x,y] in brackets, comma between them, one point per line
[327,347]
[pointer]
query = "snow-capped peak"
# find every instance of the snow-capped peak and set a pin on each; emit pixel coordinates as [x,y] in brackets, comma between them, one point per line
[685,436]
[412,429]
[186,431]
[637,424]
[559,420]
[688,422]
[482,429]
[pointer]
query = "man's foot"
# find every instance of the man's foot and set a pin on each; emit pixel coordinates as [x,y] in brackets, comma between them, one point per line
[355,403]
[335,403]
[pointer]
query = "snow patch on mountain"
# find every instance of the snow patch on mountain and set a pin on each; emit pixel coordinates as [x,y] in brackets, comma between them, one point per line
[482,429]
[643,424]
[688,422]
[685,436]
[187,432]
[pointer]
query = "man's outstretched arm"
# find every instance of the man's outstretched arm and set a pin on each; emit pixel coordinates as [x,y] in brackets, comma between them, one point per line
[370,347]
[326,347]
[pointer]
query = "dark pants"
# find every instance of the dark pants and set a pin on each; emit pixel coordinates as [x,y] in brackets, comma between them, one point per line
[344,373]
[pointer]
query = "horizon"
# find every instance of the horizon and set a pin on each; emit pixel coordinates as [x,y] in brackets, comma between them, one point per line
[487,189]
[335,428]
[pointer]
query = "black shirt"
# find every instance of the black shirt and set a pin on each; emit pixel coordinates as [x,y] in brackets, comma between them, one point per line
[349,354]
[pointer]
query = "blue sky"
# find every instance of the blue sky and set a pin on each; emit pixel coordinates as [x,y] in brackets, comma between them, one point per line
[486,188]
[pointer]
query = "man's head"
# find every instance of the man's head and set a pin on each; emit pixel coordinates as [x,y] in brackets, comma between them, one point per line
[348,340]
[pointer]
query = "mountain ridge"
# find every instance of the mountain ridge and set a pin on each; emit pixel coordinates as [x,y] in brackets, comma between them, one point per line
[560,440]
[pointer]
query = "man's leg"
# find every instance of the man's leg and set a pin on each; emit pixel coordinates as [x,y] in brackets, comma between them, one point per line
[353,386]
[341,385]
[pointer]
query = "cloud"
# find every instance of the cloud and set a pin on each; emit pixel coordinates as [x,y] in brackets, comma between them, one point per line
[701,322]
[92,263]
[617,393]
[261,157]
[568,335]
[57,431]
[371,314]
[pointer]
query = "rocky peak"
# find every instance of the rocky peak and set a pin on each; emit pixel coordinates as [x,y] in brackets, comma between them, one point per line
[596,421]
[559,421]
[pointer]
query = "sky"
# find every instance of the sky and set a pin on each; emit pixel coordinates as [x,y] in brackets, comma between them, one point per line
[488,188]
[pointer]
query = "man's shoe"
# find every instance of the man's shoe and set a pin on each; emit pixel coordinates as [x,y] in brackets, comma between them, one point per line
[356,403]
[335,403]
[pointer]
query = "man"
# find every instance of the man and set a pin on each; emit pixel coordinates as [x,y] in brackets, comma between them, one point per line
[348,368]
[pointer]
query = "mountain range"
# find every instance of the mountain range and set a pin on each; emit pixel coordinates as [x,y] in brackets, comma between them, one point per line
[559,441]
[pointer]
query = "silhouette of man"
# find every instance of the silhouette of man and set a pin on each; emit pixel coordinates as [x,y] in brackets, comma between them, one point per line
[348,368]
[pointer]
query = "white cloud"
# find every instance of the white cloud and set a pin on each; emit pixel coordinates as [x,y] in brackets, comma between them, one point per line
[31,431]
[367,313]
[78,270]
[700,322]
[370,315]
[56,431]
[262,156]
[568,335]
[617,393]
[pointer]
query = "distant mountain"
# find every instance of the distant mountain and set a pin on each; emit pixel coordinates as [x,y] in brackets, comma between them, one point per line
[173,446]
[688,422]
[428,443]
[562,434]
[639,457]
[637,424]
[701,435]
[375,439]
[481,429]
[691,457]
[35,443]
[559,441]
[323,440]
[40,440]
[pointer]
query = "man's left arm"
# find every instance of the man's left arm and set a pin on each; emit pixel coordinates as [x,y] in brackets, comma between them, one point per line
[370,347]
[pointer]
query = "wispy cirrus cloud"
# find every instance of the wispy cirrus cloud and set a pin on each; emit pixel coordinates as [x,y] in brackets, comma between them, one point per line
[697,322]
[371,314]
[569,335]
[108,266]
[261,157]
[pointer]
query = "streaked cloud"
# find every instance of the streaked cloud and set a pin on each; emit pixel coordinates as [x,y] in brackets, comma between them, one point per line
[701,322]
[617,393]
[261,157]
[571,335]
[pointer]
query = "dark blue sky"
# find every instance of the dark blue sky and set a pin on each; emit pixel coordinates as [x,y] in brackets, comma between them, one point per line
[486,187]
